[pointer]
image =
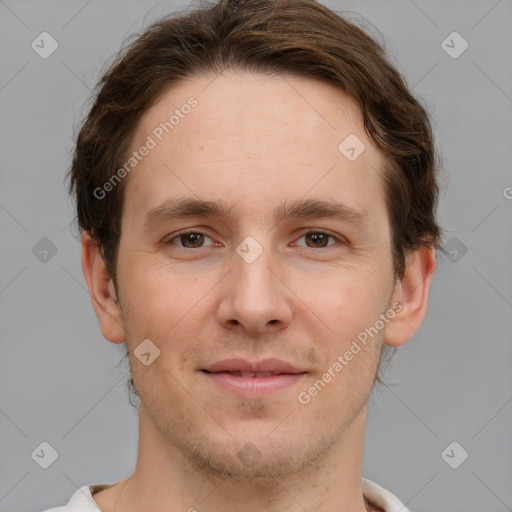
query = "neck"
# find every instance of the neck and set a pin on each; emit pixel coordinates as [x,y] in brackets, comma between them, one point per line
[165,479]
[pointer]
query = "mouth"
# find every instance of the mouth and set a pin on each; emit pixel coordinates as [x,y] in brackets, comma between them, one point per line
[252,375]
[264,368]
[253,379]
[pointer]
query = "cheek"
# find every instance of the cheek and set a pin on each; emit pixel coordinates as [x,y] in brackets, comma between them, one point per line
[170,309]
[157,299]
[346,299]
[349,308]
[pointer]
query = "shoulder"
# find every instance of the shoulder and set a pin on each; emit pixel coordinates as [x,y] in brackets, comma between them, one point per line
[82,500]
[380,498]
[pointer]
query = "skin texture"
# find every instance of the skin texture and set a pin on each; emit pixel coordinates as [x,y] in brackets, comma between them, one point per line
[253,141]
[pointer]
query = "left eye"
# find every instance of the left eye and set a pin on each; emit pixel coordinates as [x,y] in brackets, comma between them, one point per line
[319,239]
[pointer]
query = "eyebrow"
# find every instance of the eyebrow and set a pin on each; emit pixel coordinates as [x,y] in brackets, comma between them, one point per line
[180,208]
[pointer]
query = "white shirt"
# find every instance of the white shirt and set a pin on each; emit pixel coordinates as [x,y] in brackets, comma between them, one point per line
[82,500]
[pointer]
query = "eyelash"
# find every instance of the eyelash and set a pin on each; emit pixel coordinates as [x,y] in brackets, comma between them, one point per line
[329,235]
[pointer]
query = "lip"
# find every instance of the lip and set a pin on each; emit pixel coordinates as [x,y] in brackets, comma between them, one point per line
[242,365]
[277,375]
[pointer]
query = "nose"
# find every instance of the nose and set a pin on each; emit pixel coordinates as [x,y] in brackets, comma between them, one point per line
[255,298]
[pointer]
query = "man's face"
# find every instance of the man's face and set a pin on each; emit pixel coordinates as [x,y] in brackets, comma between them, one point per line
[257,145]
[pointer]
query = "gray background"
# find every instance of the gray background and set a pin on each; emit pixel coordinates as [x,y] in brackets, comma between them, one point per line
[58,377]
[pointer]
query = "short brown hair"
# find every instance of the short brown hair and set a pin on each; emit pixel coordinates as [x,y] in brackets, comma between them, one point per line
[297,37]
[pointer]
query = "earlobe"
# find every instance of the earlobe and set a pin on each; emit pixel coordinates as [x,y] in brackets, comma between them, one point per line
[101,291]
[412,294]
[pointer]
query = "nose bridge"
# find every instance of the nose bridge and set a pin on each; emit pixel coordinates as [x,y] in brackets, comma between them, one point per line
[254,297]
[251,267]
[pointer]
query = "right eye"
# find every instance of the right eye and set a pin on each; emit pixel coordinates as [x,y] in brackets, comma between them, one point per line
[194,238]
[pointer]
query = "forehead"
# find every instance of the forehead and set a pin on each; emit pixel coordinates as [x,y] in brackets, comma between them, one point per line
[254,136]
[233,104]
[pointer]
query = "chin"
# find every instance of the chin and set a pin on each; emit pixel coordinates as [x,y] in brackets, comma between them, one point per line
[256,457]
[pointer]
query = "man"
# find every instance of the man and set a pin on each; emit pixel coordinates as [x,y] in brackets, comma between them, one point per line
[256,192]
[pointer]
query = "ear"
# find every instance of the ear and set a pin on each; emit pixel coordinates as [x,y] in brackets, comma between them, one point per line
[411,292]
[101,291]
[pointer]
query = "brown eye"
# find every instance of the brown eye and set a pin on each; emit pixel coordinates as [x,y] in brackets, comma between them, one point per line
[317,239]
[195,239]
[190,240]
